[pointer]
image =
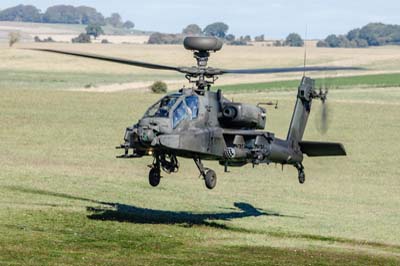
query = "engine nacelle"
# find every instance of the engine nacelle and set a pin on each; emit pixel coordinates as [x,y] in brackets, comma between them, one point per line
[240,115]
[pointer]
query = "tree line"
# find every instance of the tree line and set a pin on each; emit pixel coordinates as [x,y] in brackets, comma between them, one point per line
[65,14]
[89,16]
[219,30]
[372,34]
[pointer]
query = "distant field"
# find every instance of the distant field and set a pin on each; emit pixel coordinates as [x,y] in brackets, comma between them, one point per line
[65,32]
[377,60]
[66,199]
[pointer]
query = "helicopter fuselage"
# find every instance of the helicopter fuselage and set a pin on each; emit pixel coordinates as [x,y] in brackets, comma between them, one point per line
[208,126]
[204,125]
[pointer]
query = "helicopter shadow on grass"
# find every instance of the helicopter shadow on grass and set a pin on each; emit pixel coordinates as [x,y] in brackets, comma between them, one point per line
[133,214]
[108,211]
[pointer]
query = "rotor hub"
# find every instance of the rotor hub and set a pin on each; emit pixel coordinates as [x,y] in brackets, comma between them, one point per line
[202,46]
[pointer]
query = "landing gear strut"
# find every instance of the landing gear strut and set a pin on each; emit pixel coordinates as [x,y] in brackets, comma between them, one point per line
[210,177]
[302,175]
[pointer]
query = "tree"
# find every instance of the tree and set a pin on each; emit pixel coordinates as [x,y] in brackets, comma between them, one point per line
[48,39]
[94,30]
[230,37]
[13,38]
[395,37]
[54,14]
[332,41]
[346,43]
[159,87]
[82,38]
[89,15]
[162,38]
[294,40]
[277,43]
[156,38]
[361,43]
[322,43]
[247,38]
[260,38]
[62,14]
[378,33]
[372,34]
[24,13]
[217,29]
[238,42]
[353,34]
[192,29]
[115,20]
[128,25]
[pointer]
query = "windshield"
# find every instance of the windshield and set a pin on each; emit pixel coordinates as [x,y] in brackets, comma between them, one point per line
[193,103]
[163,107]
[180,113]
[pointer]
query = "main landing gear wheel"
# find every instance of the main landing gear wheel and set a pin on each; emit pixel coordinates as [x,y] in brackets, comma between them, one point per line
[302,177]
[154,177]
[210,179]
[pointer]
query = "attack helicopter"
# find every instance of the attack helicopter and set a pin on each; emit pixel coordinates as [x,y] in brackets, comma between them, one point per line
[202,124]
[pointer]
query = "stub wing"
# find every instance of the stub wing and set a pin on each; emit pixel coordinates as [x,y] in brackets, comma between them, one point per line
[315,148]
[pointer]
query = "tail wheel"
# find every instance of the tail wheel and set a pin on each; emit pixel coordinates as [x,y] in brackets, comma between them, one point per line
[154,177]
[210,179]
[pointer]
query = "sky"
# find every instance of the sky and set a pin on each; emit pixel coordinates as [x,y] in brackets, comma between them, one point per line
[273,18]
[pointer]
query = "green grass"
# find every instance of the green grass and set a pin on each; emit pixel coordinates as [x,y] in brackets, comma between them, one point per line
[66,200]
[378,80]
[63,238]
[23,79]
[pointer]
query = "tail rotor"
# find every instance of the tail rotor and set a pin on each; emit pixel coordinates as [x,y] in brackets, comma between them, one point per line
[323,121]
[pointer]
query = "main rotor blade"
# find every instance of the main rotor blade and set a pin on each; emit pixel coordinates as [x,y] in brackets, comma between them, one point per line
[286,70]
[113,59]
[196,70]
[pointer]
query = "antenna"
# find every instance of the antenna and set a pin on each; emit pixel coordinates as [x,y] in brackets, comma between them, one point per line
[305,52]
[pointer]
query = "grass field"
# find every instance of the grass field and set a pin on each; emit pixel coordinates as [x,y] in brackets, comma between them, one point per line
[67,200]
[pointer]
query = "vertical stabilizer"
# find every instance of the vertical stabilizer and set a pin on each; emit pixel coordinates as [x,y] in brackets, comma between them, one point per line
[301,110]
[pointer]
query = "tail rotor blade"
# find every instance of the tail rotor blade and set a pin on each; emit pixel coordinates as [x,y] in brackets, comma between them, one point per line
[324,118]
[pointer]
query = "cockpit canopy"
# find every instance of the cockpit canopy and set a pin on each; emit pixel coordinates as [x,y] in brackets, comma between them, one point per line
[177,106]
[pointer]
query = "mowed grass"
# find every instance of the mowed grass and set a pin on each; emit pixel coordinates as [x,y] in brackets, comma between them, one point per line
[66,199]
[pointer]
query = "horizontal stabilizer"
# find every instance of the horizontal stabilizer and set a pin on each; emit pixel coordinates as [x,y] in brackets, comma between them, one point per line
[315,148]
